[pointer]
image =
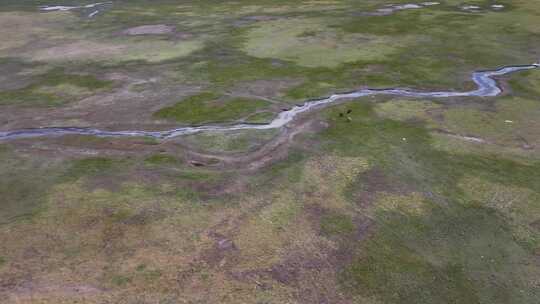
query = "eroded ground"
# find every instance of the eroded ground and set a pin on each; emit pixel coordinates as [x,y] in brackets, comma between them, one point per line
[374,200]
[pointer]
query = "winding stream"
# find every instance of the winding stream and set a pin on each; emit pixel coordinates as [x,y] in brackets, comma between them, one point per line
[62,8]
[487,87]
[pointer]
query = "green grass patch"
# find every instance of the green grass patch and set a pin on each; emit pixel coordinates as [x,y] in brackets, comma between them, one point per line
[162,159]
[140,267]
[261,117]
[457,254]
[210,108]
[24,184]
[451,250]
[294,40]
[94,166]
[336,224]
[405,148]
[54,88]
[120,280]
[526,84]
[512,121]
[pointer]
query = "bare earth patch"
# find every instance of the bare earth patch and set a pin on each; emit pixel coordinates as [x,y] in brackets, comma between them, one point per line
[32,291]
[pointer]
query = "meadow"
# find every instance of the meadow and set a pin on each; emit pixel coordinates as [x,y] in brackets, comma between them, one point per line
[381,199]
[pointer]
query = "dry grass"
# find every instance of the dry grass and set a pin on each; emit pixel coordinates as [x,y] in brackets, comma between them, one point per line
[50,38]
[114,51]
[413,204]
[20,29]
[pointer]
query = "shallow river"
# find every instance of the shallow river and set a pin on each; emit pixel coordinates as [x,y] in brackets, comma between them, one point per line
[487,87]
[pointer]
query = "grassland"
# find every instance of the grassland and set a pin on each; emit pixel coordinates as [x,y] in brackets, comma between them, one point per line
[53,88]
[308,43]
[398,201]
[210,108]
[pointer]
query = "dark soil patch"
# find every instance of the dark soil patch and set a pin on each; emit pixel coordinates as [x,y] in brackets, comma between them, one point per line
[356,228]
[144,217]
[374,181]
[535,225]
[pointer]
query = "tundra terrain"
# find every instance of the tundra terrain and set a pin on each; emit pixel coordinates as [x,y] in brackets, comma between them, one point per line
[328,151]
